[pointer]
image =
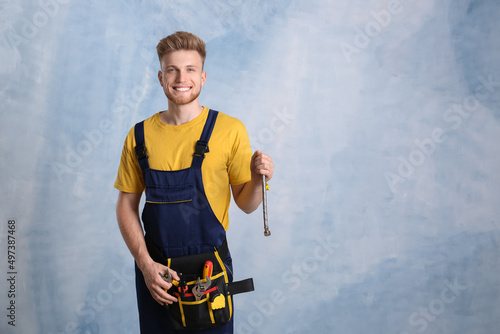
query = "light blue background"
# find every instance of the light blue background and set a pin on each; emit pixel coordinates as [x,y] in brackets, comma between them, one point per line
[382,118]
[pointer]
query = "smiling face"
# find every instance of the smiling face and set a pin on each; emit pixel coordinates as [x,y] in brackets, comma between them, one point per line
[182,76]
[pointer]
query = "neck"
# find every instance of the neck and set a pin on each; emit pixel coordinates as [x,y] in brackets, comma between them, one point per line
[177,115]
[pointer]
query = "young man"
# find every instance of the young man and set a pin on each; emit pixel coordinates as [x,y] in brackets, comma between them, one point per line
[188,159]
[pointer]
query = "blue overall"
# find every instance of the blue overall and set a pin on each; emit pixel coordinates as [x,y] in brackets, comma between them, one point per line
[179,220]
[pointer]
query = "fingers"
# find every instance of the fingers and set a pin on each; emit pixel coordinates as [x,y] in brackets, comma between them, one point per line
[174,274]
[156,284]
[161,296]
[262,164]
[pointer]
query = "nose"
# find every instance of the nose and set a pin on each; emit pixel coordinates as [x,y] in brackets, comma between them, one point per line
[180,76]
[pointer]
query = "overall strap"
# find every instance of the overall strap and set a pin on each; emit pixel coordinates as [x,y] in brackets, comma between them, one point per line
[202,145]
[140,148]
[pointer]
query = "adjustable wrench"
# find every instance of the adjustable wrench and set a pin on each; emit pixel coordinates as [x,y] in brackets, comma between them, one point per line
[167,277]
[199,288]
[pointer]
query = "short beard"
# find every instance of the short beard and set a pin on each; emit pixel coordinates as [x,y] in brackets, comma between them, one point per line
[180,101]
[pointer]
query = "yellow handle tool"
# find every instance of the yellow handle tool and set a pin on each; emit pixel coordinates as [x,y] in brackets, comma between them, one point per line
[207,269]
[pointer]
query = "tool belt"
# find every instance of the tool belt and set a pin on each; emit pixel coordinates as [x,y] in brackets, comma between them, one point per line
[203,302]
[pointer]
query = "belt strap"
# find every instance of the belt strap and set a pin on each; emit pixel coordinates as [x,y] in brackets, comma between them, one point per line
[157,256]
[154,252]
[245,285]
[233,288]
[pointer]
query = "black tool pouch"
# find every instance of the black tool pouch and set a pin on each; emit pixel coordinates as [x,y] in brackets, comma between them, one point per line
[203,303]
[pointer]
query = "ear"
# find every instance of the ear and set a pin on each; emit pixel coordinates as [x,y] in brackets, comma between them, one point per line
[203,78]
[160,77]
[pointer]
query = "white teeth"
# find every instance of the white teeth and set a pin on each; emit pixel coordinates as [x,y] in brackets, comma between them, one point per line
[182,89]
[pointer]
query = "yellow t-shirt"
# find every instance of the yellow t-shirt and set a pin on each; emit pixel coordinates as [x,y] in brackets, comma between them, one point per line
[171,147]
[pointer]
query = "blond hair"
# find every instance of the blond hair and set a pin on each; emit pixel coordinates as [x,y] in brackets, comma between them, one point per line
[181,40]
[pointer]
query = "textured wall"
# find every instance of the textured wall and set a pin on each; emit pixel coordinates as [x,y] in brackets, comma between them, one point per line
[382,118]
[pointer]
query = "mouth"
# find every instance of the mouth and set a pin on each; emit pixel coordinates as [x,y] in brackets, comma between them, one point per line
[182,89]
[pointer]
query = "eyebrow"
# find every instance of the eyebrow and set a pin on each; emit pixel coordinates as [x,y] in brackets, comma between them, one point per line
[174,66]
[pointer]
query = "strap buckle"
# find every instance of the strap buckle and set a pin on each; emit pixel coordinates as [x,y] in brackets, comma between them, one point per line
[201,148]
[140,150]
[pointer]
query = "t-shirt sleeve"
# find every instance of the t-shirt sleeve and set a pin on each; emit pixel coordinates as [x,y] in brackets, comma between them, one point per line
[241,156]
[129,178]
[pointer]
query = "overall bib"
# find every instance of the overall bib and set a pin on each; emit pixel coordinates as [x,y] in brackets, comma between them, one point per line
[179,221]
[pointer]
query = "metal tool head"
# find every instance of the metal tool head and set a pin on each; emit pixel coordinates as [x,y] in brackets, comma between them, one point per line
[199,288]
[167,277]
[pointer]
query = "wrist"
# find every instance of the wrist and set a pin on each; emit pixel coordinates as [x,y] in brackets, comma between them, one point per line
[144,261]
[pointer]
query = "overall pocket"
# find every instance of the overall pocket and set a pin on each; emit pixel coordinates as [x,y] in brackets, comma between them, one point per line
[169,194]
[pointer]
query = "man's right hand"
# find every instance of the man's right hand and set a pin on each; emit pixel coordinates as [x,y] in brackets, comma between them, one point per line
[156,284]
